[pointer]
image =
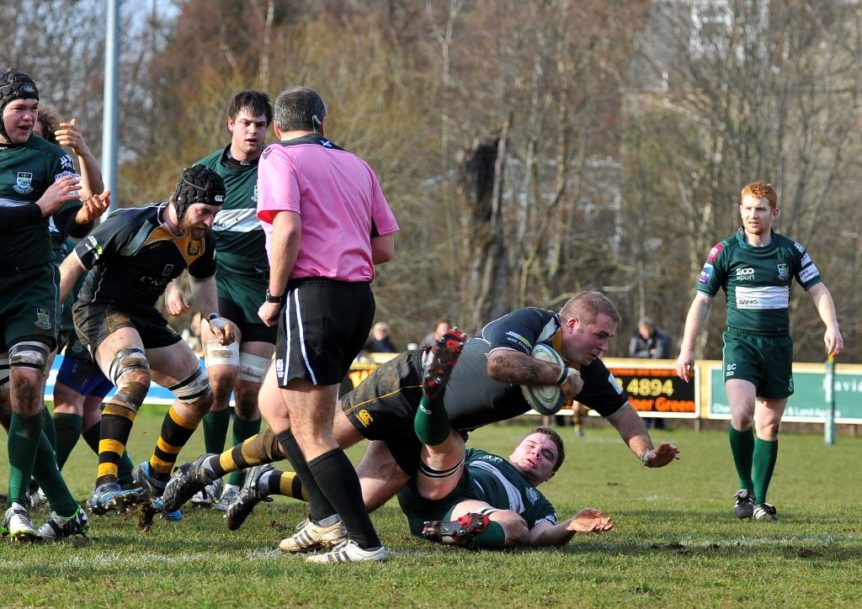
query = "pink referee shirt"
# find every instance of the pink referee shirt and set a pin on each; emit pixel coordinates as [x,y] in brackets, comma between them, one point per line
[337,197]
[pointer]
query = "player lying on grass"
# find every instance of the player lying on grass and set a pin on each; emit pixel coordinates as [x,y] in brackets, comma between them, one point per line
[469,498]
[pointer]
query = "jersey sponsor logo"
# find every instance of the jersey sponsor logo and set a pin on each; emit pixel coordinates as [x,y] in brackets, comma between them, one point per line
[66,162]
[783,273]
[714,252]
[43,318]
[706,273]
[765,297]
[91,244]
[808,273]
[518,340]
[799,246]
[745,274]
[364,417]
[23,183]
[806,260]
[157,283]
[532,495]
[237,220]
[730,370]
[254,196]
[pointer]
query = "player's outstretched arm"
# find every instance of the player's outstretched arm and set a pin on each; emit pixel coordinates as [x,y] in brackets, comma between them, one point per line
[588,520]
[634,433]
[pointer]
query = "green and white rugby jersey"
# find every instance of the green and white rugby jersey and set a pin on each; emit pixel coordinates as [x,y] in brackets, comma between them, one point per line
[239,237]
[26,172]
[497,482]
[757,280]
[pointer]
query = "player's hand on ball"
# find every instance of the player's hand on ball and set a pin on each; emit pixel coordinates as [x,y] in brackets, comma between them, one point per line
[572,386]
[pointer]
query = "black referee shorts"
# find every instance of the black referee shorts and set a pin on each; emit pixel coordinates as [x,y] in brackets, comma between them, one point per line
[322,327]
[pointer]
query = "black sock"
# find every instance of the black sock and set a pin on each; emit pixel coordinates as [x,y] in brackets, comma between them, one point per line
[318,505]
[338,480]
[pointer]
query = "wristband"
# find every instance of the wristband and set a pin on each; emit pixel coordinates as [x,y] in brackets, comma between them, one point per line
[271,298]
[645,458]
[213,316]
[564,374]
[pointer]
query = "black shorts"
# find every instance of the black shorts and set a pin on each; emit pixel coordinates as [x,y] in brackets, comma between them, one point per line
[322,327]
[94,322]
[236,305]
[384,405]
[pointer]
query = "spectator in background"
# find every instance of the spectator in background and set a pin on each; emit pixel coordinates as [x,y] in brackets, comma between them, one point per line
[440,328]
[650,342]
[380,342]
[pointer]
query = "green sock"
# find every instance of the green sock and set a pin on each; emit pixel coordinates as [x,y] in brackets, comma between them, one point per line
[431,422]
[51,481]
[124,468]
[48,426]
[24,436]
[215,430]
[491,538]
[68,427]
[242,431]
[742,448]
[765,456]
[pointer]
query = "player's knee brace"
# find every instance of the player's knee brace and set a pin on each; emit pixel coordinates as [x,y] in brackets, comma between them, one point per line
[222,355]
[130,372]
[194,390]
[29,354]
[127,360]
[252,368]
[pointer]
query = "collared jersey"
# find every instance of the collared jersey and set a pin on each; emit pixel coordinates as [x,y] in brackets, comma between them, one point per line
[133,255]
[757,280]
[26,172]
[239,237]
[473,399]
[339,200]
[497,482]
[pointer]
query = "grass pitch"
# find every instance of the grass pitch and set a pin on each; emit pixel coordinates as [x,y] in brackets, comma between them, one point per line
[676,541]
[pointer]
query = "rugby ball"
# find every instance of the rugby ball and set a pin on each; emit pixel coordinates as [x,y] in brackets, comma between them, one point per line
[544,399]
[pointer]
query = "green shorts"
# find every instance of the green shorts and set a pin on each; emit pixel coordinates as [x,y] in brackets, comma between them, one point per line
[764,360]
[239,298]
[29,305]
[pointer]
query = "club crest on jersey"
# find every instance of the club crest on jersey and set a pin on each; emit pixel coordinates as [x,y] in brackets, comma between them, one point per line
[43,319]
[23,183]
[364,417]
[66,162]
[783,273]
[194,248]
